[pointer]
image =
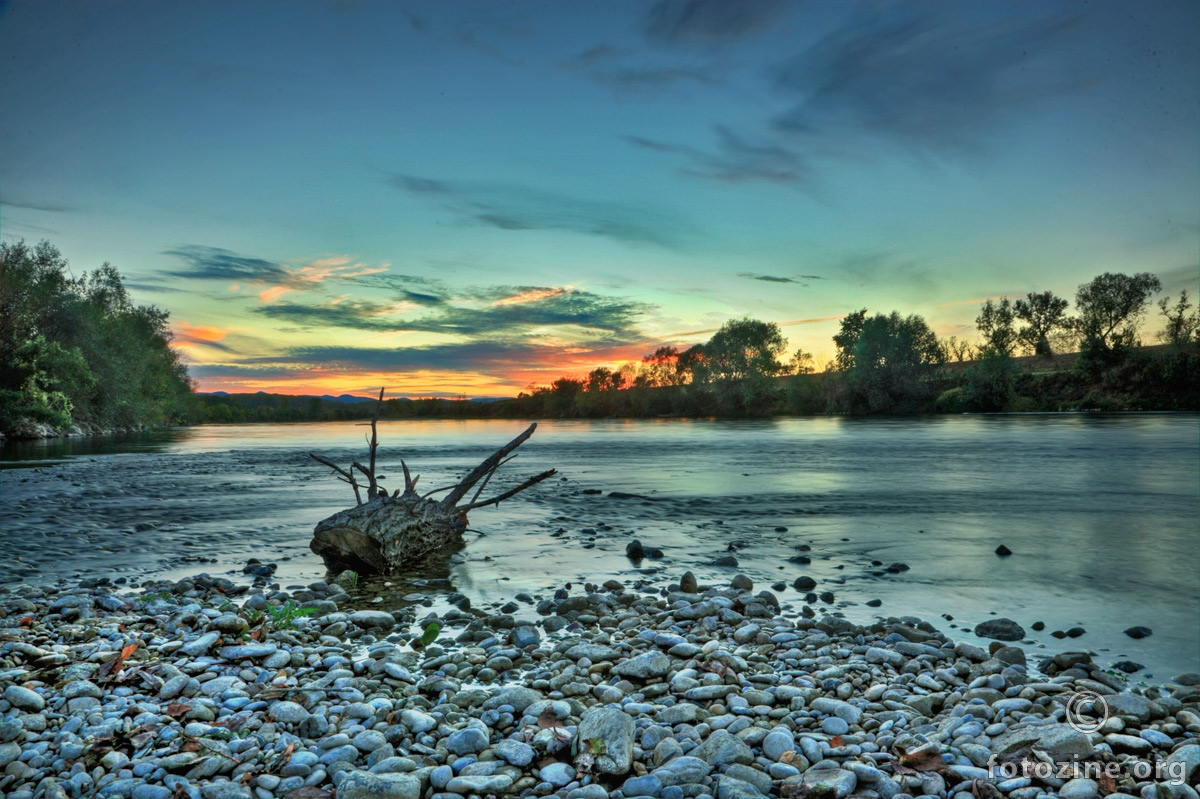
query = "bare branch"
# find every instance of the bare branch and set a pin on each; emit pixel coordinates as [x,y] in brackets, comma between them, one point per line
[497,500]
[482,469]
[488,479]
[408,483]
[437,491]
[347,476]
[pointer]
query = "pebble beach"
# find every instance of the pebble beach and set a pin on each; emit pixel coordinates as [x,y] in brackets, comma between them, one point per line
[215,688]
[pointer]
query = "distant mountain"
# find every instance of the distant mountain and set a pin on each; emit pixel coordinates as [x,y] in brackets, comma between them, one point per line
[347,398]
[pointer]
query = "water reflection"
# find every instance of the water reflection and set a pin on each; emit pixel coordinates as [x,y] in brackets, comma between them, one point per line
[1100,510]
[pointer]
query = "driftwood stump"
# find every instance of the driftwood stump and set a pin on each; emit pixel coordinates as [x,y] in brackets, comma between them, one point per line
[387,532]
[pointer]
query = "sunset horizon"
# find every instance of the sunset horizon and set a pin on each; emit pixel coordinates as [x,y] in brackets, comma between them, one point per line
[477,199]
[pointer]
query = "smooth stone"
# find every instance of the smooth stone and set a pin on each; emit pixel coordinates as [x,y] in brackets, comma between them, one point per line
[613,729]
[514,753]
[557,774]
[732,788]
[646,785]
[417,721]
[365,785]
[1079,789]
[467,741]
[644,666]
[834,782]
[497,783]
[1000,630]
[23,698]
[373,618]
[248,651]
[778,741]
[682,770]
[288,712]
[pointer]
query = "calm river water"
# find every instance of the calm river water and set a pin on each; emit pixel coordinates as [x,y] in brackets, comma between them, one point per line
[1099,511]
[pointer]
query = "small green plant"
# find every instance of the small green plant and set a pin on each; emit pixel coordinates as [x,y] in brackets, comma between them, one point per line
[284,616]
[428,636]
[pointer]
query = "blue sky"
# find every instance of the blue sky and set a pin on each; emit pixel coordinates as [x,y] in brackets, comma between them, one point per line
[460,197]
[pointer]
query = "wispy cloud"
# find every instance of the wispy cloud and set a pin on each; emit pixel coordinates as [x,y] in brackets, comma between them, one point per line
[215,263]
[515,208]
[770,278]
[191,337]
[46,207]
[941,78]
[510,314]
[688,21]
[272,279]
[736,159]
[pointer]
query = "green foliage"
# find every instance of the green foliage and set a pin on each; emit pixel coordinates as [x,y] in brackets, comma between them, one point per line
[1110,308]
[76,350]
[887,360]
[283,616]
[1043,313]
[989,384]
[1181,326]
[995,324]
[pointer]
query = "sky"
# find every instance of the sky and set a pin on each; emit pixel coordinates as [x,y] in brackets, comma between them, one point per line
[472,198]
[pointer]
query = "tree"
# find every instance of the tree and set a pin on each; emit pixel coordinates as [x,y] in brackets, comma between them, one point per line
[995,323]
[802,363]
[958,350]
[1181,326]
[890,359]
[745,349]
[846,339]
[1042,313]
[1110,308]
[77,350]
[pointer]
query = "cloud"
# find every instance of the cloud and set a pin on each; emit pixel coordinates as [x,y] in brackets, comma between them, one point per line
[769,278]
[214,263]
[686,21]
[735,160]
[54,209]
[511,314]
[192,336]
[924,75]
[514,208]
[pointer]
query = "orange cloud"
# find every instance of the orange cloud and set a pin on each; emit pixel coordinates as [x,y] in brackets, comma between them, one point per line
[533,295]
[315,273]
[198,334]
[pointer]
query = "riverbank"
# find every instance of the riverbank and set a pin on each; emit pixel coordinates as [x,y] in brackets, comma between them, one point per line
[649,687]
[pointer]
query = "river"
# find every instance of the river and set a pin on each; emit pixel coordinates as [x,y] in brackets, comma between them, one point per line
[1099,510]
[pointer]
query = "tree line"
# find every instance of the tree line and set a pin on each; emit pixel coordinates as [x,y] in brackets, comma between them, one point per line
[887,363]
[77,351]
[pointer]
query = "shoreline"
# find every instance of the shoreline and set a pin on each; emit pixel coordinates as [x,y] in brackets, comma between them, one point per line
[716,691]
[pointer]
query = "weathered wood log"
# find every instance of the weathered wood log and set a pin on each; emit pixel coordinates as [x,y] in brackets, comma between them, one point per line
[386,533]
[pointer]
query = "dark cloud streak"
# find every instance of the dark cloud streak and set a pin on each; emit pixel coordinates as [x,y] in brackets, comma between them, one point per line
[514,208]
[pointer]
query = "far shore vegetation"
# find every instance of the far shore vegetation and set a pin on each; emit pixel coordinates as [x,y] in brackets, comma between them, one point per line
[77,352]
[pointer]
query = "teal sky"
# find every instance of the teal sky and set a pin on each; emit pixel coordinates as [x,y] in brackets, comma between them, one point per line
[472,197]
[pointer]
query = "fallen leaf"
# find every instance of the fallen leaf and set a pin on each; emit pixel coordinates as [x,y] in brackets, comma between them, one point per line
[256,635]
[25,622]
[178,709]
[1106,784]
[548,720]
[981,789]
[923,758]
[114,666]
[788,756]
[837,741]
